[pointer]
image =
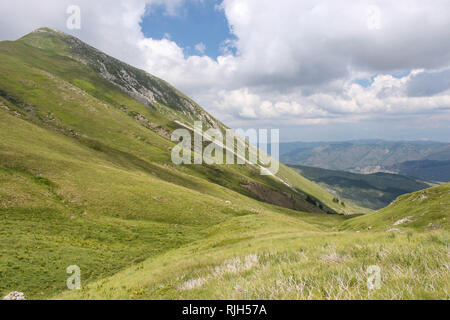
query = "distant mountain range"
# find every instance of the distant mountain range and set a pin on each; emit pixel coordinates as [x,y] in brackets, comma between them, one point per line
[426,160]
[374,191]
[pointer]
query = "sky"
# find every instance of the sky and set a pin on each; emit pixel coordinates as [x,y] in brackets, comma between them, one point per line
[322,70]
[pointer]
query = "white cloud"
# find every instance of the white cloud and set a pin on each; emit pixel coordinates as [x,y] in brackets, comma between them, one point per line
[200,47]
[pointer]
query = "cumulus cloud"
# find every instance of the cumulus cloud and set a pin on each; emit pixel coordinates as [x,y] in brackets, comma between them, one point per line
[387,96]
[290,61]
[200,48]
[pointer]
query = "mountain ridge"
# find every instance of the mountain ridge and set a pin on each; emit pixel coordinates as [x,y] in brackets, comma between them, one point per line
[137,83]
[434,170]
[364,156]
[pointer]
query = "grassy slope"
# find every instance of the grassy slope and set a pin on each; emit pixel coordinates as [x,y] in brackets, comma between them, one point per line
[74,99]
[275,257]
[99,214]
[426,209]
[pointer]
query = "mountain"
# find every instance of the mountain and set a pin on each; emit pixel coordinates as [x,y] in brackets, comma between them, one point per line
[432,170]
[86,172]
[367,156]
[60,83]
[141,86]
[374,191]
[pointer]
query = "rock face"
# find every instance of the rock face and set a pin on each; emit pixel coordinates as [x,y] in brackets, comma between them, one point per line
[15,296]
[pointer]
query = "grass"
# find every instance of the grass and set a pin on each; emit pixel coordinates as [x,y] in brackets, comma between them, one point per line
[96,216]
[420,211]
[284,260]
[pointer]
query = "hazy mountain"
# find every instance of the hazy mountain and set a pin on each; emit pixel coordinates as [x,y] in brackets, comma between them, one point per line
[84,78]
[363,156]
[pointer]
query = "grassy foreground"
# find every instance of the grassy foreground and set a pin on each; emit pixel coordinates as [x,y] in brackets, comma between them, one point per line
[275,257]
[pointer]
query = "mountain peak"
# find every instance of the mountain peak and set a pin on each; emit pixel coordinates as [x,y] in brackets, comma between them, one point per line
[140,85]
[46,31]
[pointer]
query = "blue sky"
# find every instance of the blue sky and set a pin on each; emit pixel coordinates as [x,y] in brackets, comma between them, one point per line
[367,82]
[197,22]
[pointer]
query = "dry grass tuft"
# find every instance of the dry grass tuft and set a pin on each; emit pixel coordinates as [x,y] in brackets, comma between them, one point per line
[233,266]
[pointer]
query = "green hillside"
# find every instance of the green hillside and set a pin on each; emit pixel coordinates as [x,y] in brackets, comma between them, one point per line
[86,179]
[57,82]
[423,210]
[373,191]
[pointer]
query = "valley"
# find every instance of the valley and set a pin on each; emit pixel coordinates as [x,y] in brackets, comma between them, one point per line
[87,179]
[373,191]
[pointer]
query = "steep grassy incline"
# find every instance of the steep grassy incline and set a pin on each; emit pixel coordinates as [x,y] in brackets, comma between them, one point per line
[145,88]
[64,203]
[56,81]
